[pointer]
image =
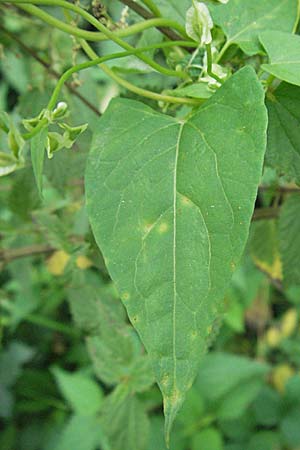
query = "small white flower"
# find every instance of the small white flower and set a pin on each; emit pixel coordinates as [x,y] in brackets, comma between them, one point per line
[223,1]
[199,23]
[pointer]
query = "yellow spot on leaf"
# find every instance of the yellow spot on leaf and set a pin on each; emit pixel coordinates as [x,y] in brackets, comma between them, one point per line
[125,296]
[57,262]
[185,201]
[194,334]
[165,380]
[163,227]
[82,262]
[147,227]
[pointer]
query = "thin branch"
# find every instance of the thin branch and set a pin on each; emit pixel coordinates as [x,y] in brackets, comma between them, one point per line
[8,255]
[265,214]
[143,12]
[281,189]
[50,70]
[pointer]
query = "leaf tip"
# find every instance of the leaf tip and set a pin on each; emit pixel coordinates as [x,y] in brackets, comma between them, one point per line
[172,404]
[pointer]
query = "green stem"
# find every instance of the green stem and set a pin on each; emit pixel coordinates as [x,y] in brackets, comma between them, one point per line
[153,8]
[95,36]
[209,65]
[44,322]
[102,59]
[131,87]
[98,25]
[99,61]
[297,18]
[51,325]
[223,50]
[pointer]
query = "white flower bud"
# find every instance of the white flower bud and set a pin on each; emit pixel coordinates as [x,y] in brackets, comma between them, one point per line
[60,111]
[199,23]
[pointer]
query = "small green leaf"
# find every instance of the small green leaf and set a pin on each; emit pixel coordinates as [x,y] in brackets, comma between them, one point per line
[243,20]
[30,124]
[81,391]
[184,192]
[196,90]
[38,147]
[73,132]
[283,50]
[4,121]
[289,240]
[15,141]
[283,145]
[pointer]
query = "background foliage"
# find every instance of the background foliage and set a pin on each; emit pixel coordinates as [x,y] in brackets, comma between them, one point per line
[73,372]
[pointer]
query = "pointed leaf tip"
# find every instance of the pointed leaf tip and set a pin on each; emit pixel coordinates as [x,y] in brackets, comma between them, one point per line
[172,405]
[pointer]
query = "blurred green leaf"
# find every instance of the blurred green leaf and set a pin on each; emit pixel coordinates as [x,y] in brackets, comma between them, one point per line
[124,420]
[283,146]
[289,240]
[266,407]
[82,393]
[210,438]
[290,427]
[265,440]
[82,433]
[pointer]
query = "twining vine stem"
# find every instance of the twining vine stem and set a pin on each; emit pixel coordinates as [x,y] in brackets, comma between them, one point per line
[93,21]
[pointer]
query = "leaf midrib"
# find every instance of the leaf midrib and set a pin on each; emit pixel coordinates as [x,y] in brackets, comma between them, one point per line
[174,254]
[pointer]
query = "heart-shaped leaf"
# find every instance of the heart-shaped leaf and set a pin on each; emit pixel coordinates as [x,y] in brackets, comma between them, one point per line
[170,204]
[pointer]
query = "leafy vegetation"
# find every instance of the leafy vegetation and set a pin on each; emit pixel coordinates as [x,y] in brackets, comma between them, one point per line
[149,212]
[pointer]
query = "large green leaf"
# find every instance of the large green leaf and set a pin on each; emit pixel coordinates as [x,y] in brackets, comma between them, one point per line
[284,52]
[289,240]
[243,20]
[170,204]
[283,148]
